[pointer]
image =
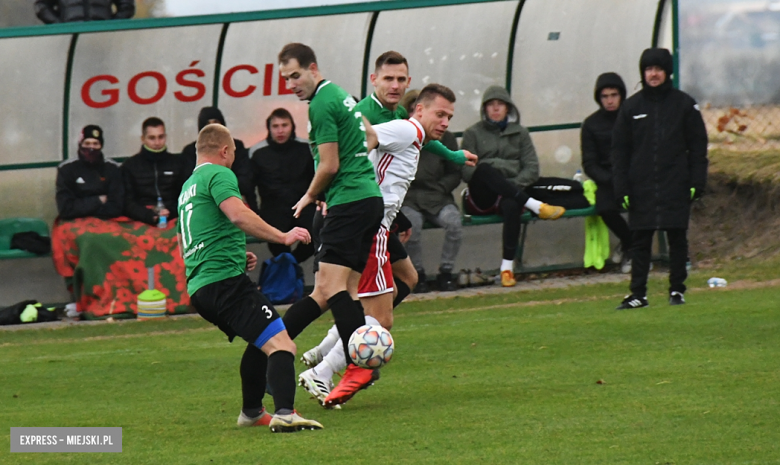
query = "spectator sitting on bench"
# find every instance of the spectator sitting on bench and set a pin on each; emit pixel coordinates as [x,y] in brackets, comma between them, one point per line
[241,167]
[430,198]
[283,169]
[152,174]
[89,185]
[507,165]
[596,142]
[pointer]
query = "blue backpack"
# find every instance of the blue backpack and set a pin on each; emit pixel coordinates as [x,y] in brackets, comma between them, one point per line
[281,279]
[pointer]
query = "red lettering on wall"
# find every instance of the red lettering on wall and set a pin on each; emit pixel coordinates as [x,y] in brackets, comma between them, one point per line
[269,74]
[112,94]
[200,88]
[227,81]
[162,86]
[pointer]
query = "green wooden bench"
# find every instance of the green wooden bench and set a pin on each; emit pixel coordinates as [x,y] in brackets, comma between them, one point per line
[11,226]
[479,220]
[526,219]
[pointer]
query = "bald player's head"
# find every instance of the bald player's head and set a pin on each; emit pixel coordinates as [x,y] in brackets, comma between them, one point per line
[215,145]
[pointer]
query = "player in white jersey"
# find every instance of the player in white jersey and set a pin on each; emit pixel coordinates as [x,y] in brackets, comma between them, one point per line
[397,153]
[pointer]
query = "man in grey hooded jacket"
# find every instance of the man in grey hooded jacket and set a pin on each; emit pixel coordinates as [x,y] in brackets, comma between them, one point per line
[507,165]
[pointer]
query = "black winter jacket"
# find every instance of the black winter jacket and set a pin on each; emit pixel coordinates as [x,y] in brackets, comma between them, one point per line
[596,143]
[282,173]
[659,152]
[80,184]
[242,168]
[64,11]
[148,175]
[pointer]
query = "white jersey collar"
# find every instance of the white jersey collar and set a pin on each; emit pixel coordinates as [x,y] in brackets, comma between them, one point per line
[420,127]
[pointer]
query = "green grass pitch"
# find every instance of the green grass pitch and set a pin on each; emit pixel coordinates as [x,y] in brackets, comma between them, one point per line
[543,377]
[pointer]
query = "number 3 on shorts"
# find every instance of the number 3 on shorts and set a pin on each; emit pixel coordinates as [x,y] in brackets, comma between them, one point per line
[267,311]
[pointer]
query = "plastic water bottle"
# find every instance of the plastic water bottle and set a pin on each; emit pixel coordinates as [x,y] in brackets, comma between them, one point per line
[717,282]
[578,176]
[163,221]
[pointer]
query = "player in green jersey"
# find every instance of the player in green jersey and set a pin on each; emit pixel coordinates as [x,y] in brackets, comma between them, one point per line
[213,223]
[391,80]
[344,174]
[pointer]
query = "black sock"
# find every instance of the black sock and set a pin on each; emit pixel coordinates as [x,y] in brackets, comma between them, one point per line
[403,291]
[348,316]
[254,365]
[281,377]
[300,315]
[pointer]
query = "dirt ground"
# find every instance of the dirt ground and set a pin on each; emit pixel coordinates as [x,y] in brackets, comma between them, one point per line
[735,221]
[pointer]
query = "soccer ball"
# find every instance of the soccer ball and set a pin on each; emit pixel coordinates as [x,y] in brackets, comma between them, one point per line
[371,346]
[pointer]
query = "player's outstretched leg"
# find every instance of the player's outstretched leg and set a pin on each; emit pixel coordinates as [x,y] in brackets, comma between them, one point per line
[354,379]
[312,357]
[281,377]
[254,364]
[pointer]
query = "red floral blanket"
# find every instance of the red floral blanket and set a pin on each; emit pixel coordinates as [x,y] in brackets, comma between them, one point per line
[109,260]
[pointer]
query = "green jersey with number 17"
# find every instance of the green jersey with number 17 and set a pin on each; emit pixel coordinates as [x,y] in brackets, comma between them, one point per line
[332,118]
[213,247]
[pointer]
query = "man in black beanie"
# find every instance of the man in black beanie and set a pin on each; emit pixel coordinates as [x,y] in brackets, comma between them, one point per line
[659,158]
[241,166]
[596,142]
[89,185]
[283,169]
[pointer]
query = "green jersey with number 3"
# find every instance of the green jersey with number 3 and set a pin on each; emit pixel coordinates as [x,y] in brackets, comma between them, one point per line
[332,118]
[213,247]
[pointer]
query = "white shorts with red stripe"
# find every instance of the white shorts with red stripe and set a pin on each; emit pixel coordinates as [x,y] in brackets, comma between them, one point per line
[377,277]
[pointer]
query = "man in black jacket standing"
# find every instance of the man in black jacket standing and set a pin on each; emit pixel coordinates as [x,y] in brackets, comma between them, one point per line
[283,169]
[659,156]
[596,142]
[241,166]
[152,174]
[65,11]
[90,185]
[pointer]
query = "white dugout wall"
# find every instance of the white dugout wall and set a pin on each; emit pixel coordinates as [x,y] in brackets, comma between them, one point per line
[56,79]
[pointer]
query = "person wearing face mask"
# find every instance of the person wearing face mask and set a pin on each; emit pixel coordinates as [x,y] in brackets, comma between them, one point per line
[152,174]
[89,185]
[507,165]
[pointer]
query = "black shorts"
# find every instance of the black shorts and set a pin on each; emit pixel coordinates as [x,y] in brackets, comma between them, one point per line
[348,231]
[395,248]
[237,308]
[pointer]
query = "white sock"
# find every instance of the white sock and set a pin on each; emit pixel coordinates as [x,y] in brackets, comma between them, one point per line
[507,265]
[370,320]
[533,205]
[333,362]
[329,341]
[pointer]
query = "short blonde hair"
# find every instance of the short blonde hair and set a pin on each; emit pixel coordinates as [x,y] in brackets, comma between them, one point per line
[212,138]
